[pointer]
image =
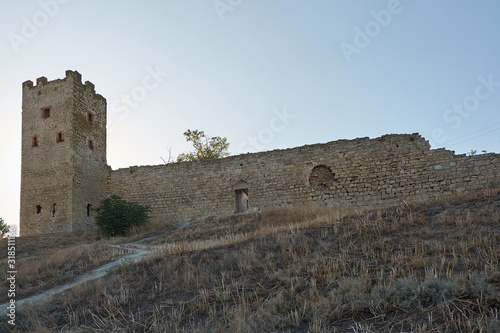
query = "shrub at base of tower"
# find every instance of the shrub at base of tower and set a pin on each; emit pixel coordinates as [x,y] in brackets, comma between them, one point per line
[117,217]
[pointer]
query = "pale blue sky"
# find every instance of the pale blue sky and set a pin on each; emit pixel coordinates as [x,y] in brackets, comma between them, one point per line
[264,74]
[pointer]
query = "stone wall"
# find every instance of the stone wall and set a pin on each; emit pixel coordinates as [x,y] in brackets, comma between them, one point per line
[89,164]
[360,172]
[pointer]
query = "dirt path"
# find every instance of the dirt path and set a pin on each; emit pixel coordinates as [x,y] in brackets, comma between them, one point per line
[132,256]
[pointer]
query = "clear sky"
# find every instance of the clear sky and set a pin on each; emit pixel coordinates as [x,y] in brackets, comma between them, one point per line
[264,74]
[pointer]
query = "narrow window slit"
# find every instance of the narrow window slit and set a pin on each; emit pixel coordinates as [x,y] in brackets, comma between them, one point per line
[90,117]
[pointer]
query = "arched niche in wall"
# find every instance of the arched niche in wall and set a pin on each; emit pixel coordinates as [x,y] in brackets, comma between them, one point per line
[321,178]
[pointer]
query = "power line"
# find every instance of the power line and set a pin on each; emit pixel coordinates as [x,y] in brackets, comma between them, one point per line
[498,129]
[466,135]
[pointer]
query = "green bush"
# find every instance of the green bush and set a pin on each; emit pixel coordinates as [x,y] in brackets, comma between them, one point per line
[116,216]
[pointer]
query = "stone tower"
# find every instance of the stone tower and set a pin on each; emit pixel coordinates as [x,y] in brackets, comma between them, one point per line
[64,169]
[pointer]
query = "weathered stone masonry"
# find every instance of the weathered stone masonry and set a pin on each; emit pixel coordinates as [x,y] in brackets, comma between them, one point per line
[64,174]
[360,172]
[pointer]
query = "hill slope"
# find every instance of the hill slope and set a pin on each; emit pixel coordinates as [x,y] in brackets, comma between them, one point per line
[419,267]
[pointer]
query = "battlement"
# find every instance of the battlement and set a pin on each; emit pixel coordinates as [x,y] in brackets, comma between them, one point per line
[72,77]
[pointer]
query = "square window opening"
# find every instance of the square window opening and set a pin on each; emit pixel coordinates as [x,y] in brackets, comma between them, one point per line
[46,112]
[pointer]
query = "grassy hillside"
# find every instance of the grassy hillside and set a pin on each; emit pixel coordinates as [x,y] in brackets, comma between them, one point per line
[46,261]
[417,267]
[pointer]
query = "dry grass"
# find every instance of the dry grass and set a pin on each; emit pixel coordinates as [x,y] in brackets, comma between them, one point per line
[49,266]
[232,229]
[31,246]
[417,267]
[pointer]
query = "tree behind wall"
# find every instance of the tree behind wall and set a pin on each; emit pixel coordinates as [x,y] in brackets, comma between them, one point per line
[204,147]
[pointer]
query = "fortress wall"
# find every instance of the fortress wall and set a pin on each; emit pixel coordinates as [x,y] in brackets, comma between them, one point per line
[360,172]
[64,173]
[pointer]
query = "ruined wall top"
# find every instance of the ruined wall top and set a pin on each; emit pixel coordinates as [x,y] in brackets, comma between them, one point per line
[402,143]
